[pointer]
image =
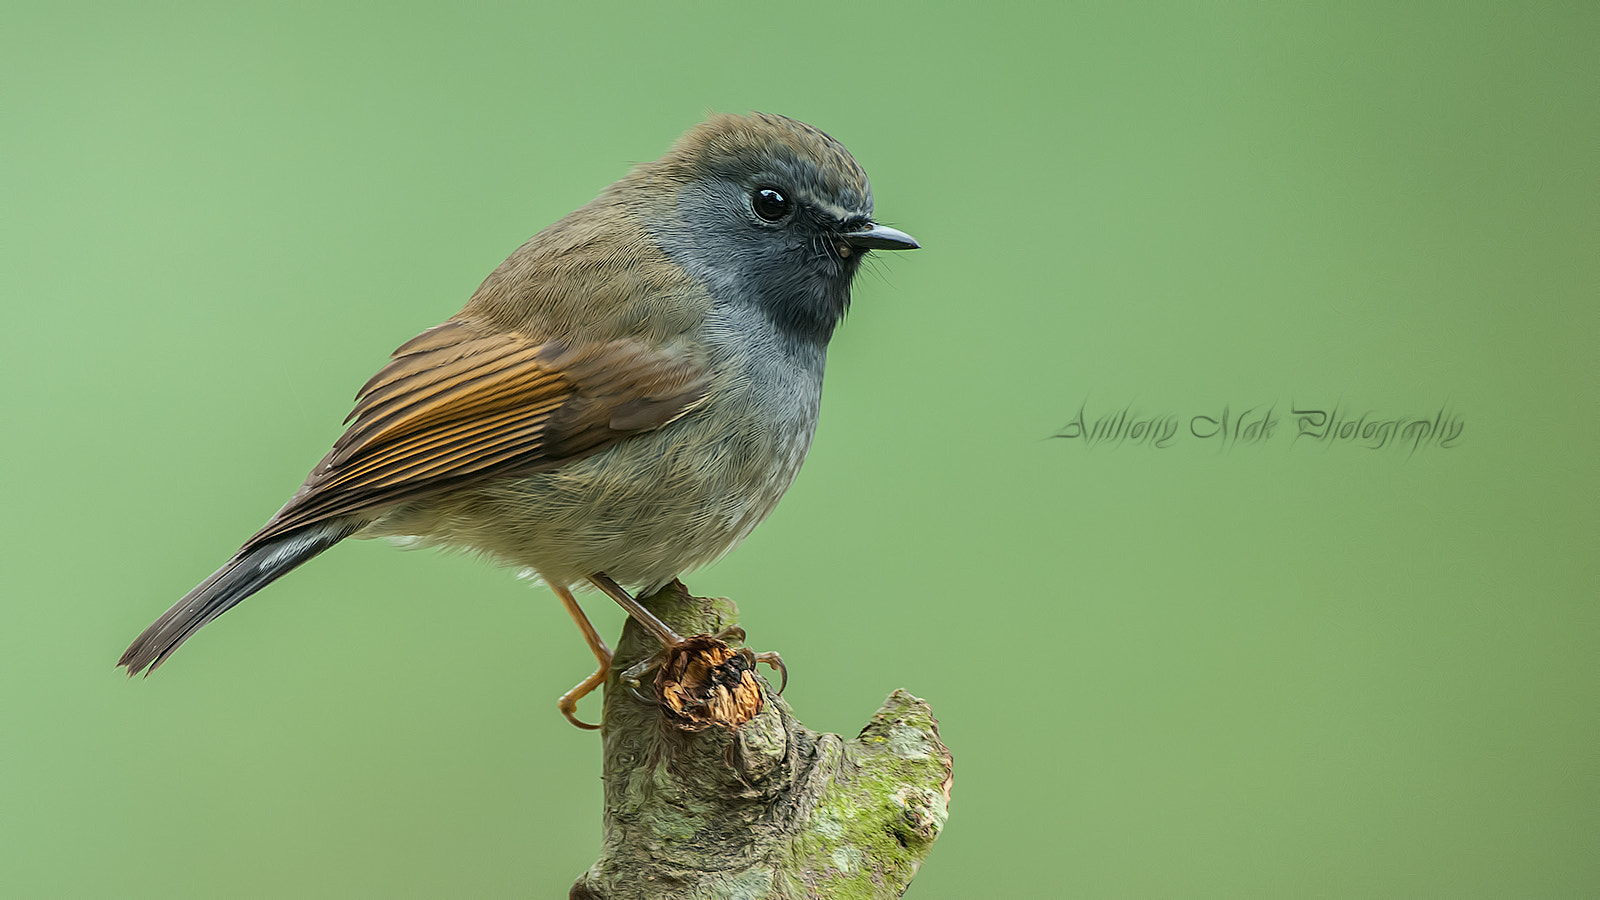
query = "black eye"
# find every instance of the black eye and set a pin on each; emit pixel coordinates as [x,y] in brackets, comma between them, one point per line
[769,204]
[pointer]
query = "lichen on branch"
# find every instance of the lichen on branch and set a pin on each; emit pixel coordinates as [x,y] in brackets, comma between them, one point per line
[762,810]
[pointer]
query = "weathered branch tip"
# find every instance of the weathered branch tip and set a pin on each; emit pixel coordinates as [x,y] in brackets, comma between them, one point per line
[715,790]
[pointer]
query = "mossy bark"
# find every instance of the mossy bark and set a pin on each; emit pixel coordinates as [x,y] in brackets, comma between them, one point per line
[769,810]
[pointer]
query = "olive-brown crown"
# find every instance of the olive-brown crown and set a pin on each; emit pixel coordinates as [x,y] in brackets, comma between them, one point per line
[743,146]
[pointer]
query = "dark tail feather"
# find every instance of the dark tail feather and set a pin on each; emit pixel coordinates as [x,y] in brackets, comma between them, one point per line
[243,575]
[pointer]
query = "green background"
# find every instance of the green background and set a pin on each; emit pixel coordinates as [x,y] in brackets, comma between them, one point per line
[1285,669]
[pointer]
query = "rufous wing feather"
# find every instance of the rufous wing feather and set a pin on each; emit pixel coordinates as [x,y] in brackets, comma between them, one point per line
[459,404]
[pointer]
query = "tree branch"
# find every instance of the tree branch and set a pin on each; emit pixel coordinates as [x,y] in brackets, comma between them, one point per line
[763,809]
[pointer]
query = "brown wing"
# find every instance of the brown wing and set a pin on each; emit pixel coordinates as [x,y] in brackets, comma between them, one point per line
[457,405]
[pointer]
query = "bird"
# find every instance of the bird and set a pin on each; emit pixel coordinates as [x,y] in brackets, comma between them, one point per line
[621,401]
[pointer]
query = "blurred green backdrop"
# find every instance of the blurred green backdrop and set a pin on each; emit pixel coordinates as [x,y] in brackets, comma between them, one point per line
[1287,668]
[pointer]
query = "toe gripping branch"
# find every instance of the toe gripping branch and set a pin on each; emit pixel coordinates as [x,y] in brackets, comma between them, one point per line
[703,682]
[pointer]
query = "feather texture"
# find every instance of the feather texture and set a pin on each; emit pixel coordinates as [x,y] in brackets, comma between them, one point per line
[457,405]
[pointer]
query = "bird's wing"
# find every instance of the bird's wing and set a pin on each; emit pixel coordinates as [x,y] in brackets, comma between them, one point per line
[458,404]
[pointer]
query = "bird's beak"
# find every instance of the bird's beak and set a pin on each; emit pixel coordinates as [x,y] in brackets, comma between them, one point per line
[880,237]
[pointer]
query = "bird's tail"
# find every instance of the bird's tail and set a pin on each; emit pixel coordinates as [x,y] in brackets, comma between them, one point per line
[250,571]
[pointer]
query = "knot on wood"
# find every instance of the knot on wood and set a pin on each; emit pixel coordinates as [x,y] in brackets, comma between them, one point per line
[704,683]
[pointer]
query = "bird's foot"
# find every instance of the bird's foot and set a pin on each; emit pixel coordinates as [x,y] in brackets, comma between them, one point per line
[702,682]
[568,704]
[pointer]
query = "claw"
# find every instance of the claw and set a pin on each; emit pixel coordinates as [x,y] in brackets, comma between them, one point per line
[568,704]
[772,659]
[734,634]
[718,691]
[633,677]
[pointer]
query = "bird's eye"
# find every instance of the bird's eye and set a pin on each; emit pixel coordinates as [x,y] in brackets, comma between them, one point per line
[769,204]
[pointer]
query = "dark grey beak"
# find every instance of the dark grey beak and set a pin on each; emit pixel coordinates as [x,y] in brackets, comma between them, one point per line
[880,237]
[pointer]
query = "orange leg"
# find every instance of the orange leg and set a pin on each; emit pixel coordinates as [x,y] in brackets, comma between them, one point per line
[568,704]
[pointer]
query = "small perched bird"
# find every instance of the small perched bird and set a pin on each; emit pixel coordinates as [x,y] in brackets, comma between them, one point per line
[620,402]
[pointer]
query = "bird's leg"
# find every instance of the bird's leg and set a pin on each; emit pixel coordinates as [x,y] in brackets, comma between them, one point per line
[670,639]
[568,704]
[644,617]
[648,620]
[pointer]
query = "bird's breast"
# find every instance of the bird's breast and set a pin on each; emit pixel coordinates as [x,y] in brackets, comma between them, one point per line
[656,505]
